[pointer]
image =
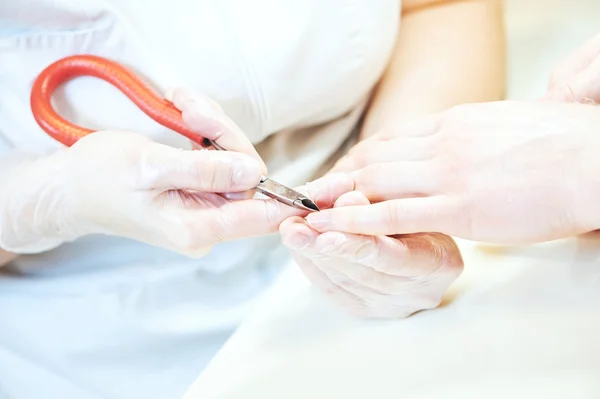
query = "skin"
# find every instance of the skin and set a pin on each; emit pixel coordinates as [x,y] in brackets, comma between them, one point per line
[509,172]
[520,171]
[447,53]
[6,257]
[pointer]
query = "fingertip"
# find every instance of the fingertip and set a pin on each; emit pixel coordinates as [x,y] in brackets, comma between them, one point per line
[215,126]
[180,97]
[200,117]
[297,235]
[207,117]
[327,189]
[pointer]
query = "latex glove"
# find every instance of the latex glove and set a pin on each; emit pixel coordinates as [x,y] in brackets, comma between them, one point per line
[504,172]
[372,277]
[577,78]
[124,184]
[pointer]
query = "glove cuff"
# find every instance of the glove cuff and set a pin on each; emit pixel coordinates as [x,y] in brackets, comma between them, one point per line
[35,215]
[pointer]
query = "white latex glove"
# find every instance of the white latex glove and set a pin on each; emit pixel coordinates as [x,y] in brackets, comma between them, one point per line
[577,77]
[124,184]
[372,276]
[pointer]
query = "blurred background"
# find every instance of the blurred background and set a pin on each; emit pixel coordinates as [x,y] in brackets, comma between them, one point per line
[540,33]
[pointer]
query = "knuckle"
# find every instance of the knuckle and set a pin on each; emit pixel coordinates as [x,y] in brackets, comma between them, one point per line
[361,180]
[150,169]
[356,155]
[448,175]
[210,171]
[350,220]
[228,178]
[369,178]
[220,224]
[364,153]
[392,213]
[214,171]
[273,212]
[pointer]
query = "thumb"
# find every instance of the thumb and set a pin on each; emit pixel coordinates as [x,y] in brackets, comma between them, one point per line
[401,216]
[165,168]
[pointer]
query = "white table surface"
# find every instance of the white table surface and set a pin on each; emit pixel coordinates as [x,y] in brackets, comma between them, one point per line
[521,322]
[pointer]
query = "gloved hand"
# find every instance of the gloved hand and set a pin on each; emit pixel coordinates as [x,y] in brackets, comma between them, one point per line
[577,78]
[124,184]
[503,172]
[371,276]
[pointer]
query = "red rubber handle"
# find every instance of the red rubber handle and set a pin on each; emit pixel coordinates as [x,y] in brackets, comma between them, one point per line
[147,99]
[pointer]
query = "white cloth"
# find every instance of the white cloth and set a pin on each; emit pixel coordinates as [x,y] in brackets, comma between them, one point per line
[521,322]
[111,318]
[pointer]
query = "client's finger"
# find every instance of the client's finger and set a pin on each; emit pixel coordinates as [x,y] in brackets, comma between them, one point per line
[405,216]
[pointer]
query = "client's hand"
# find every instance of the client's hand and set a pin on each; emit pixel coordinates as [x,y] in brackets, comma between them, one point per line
[505,172]
[372,276]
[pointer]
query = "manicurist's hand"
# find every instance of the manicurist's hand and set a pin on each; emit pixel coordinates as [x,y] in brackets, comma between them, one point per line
[122,183]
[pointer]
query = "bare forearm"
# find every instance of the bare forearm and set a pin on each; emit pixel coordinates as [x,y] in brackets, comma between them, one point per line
[6,257]
[447,53]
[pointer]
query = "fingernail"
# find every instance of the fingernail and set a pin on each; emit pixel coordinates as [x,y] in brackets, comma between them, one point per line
[246,172]
[318,220]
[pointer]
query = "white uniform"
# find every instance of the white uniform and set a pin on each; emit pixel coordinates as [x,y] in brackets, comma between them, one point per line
[113,318]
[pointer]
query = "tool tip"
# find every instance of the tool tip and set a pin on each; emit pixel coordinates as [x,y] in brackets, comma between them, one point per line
[310,204]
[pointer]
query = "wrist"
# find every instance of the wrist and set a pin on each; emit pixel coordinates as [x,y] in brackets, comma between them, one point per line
[35,215]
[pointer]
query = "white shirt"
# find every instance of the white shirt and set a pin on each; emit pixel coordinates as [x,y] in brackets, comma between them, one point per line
[113,318]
